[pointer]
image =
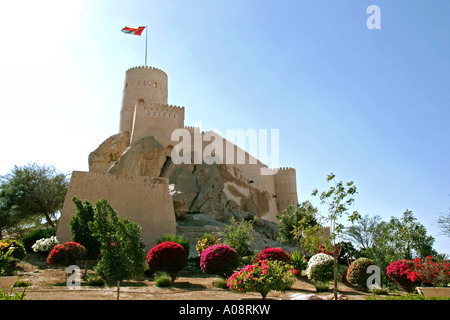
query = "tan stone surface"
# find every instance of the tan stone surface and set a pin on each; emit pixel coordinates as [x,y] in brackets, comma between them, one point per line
[144,200]
[108,152]
[144,158]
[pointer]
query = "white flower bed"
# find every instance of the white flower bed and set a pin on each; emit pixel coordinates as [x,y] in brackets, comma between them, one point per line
[320,266]
[45,244]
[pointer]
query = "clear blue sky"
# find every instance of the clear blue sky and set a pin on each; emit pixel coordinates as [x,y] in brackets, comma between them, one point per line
[371,106]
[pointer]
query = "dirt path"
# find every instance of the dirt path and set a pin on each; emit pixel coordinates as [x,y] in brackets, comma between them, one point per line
[48,283]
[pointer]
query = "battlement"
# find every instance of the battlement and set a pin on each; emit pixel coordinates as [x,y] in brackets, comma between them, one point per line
[286,169]
[160,109]
[146,68]
[192,129]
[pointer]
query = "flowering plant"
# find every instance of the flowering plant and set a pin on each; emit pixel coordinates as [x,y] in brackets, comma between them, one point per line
[320,267]
[206,241]
[263,276]
[357,272]
[219,259]
[45,245]
[429,272]
[66,254]
[167,256]
[14,247]
[398,271]
[273,254]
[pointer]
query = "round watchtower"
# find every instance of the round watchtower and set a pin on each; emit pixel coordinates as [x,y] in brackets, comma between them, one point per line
[142,84]
[286,188]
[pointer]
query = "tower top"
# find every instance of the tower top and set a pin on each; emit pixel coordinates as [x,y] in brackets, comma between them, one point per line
[146,68]
[142,84]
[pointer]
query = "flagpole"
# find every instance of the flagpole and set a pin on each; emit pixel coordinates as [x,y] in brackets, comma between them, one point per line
[146,27]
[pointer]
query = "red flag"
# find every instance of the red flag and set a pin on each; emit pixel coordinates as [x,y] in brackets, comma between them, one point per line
[133,30]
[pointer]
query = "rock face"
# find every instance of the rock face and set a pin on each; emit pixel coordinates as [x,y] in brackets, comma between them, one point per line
[145,158]
[102,158]
[193,226]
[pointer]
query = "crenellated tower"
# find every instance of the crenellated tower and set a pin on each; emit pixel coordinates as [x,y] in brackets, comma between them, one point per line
[145,111]
[286,188]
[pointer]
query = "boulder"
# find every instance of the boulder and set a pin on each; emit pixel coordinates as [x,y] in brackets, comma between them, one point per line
[210,199]
[108,152]
[180,205]
[185,183]
[145,158]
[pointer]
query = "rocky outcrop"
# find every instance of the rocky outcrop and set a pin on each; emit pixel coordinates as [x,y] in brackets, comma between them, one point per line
[107,153]
[193,226]
[144,158]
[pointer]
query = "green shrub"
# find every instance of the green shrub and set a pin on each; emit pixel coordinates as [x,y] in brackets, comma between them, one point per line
[7,264]
[95,281]
[220,283]
[357,272]
[22,283]
[299,262]
[29,239]
[206,241]
[177,239]
[380,291]
[320,268]
[322,286]
[79,228]
[342,270]
[238,235]
[16,247]
[163,280]
[11,295]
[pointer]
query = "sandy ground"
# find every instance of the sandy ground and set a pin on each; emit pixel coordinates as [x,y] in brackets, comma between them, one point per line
[48,283]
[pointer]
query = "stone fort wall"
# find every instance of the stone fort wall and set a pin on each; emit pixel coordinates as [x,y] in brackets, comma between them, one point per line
[144,200]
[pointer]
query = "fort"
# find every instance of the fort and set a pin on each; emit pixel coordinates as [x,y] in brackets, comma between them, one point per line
[135,170]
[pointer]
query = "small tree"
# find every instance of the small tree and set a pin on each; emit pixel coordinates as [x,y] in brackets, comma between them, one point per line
[406,238]
[295,224]
[31,192]
[79,228]
[122,256]
[338,198]
[238,235]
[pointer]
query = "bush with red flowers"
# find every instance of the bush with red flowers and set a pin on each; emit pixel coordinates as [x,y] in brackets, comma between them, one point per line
[262,277]
[167,256]
[66,254]
[357,272]
[429,272]
[276,254]
[219,259]
[398,272]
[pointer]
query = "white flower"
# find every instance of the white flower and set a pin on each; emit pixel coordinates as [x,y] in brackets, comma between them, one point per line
[45,244]
[316,260]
